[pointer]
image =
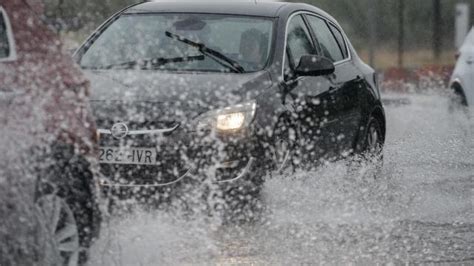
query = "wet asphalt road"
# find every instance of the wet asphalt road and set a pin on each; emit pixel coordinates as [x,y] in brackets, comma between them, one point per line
[420,211]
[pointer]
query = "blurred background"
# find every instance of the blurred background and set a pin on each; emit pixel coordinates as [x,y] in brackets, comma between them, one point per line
[394,36]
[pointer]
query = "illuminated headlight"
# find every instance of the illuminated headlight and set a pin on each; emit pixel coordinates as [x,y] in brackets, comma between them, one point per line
[232,121]
[232,118]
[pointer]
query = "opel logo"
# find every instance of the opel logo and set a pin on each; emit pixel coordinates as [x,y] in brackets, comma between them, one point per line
[119,130]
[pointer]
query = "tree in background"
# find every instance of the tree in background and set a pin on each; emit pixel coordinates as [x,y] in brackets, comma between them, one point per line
[437,28]
[429,24]
[85,15]
[401,32]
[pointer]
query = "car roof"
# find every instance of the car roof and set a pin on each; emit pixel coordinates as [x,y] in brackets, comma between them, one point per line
[249,8]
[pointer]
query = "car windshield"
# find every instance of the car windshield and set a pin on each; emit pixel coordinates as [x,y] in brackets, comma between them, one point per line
[183,42]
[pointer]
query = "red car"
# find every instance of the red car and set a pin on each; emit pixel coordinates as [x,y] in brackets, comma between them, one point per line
[47,145]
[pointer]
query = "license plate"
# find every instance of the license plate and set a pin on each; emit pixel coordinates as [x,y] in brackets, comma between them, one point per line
[113,155]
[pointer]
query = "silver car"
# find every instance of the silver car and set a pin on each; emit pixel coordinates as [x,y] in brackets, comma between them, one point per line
[462,80]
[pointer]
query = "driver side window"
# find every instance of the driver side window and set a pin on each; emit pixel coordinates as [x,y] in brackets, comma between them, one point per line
[299,43]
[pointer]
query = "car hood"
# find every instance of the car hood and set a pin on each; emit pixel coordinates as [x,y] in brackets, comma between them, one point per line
[125,95]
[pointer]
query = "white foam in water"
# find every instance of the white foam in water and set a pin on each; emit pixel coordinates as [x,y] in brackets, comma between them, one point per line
[150,239]
[420,210]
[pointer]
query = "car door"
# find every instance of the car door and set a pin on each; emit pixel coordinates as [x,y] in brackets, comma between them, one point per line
[7,56]
[347,83]
[310,97]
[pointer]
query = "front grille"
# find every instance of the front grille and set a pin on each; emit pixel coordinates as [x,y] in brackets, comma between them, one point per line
[132,125]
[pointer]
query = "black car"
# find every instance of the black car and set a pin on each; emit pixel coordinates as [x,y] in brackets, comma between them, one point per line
[233,91]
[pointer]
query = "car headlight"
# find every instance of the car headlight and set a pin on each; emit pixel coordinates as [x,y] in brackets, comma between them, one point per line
[231,118]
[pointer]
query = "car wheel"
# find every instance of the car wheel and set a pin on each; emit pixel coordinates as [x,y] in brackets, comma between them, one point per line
[69,178]
[458,98]
[374,138]
[283,147]
[61,224]
[374,142]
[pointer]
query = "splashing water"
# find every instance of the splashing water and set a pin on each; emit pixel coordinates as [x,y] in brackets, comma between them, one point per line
[420,209]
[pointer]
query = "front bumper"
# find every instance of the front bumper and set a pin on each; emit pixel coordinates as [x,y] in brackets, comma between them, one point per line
[240,176]
[226,160]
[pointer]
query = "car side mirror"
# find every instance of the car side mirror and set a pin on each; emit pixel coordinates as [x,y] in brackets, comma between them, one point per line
[314,65]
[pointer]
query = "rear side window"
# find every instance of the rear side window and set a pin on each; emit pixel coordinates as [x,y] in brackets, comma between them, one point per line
[327,41]
[340,39]
[7,51]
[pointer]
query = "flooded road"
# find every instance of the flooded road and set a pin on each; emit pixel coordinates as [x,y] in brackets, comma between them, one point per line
[419,211]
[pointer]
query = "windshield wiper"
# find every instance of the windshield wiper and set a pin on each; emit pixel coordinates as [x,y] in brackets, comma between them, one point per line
[216,55]
[154,62]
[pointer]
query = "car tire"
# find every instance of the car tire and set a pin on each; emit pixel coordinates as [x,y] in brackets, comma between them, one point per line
[67,178]
[62,228]
[374,141]
[283,147]
[458,97]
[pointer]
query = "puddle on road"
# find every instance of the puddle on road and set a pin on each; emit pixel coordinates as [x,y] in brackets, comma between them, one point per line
[421,210]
